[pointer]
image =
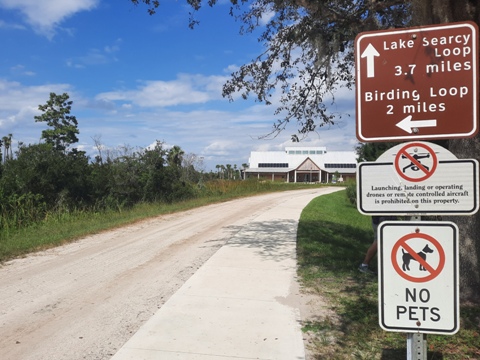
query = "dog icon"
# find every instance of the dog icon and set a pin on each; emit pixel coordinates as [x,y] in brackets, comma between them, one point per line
[406,257]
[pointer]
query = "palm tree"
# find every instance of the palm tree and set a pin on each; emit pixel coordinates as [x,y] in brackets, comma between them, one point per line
[244,167]
[7,144]
[175,156]
[229,171]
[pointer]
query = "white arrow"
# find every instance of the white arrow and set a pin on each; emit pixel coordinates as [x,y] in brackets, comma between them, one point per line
[370,53]
[407,124]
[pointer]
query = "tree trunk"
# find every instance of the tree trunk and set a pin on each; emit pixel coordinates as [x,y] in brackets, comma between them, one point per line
[469,227]
[444,11]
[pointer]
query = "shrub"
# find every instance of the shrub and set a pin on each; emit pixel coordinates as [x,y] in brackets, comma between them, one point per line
[352,192]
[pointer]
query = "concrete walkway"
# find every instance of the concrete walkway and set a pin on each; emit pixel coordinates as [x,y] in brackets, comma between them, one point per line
[241,304]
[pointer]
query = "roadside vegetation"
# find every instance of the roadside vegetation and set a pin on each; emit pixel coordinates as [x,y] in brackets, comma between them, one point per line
[59,226]
[52,192]
[332,240]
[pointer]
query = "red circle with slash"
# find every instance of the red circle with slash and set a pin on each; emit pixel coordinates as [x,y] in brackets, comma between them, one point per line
[403,153]
[433,272]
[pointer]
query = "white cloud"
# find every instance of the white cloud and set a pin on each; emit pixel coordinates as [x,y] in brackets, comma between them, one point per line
[15,96]
[266,17]
[186,89]
[19,105]
[93,57]
[220,136]
[45,15]
[9,25]
[20,70]
[96,56]
[109,49]
[231,68]
[220,148]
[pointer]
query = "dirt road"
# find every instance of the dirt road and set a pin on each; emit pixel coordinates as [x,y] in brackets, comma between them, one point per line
[86,299]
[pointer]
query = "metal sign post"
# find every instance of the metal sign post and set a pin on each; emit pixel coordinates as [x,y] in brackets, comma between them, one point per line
[416,342]
[416,346]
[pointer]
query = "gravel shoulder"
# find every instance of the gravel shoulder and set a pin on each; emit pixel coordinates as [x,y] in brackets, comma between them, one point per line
[84,300]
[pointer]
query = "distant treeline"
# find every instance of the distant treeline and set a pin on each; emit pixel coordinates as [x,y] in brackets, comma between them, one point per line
[54,175]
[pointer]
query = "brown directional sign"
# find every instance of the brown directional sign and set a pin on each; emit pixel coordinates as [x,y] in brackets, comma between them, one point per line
[417,83]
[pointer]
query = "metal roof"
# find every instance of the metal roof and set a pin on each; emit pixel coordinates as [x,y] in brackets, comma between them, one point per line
[295,160]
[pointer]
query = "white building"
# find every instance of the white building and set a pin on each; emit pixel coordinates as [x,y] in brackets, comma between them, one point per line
[302,164]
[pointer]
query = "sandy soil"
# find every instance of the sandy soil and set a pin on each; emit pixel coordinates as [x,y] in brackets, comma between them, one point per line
[86,299]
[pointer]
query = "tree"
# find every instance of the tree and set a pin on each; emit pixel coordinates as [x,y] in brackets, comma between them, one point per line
[63,127]
[228,170]
[371,151]
[435,12]
[242,173]
[7,146]
[60,179]
[192,168]
[310,54]
[175,156]
[153,178]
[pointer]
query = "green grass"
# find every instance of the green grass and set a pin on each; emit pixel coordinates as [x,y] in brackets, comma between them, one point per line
[332,240]
[65,226]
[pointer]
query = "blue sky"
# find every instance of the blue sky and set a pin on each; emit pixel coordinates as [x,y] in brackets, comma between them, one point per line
[135,78]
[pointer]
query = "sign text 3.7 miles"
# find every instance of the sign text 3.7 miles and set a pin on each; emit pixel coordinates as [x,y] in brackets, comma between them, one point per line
[417,83]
